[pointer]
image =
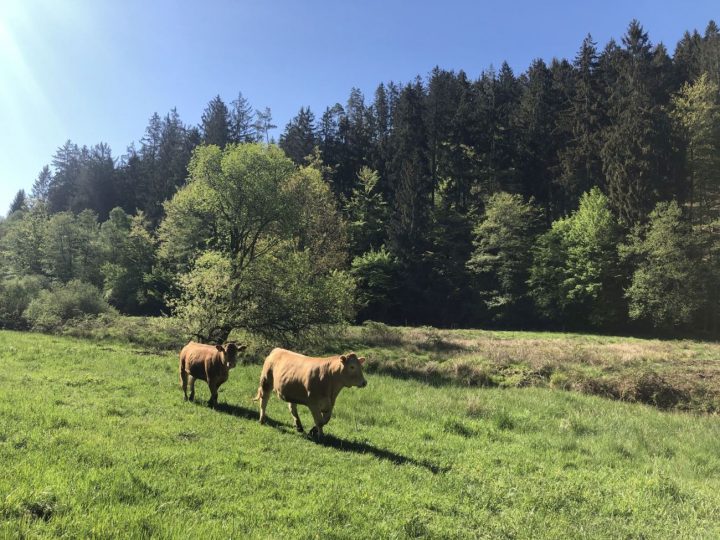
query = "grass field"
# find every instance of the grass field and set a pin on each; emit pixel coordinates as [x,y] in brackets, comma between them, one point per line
[96,441]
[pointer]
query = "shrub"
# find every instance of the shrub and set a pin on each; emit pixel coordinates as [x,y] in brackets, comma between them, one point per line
[15,296]
[75,299]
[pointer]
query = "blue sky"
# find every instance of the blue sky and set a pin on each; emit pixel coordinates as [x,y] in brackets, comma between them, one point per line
[95,70]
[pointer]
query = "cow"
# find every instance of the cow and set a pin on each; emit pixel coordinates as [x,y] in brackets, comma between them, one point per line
[313,382]
[210,363]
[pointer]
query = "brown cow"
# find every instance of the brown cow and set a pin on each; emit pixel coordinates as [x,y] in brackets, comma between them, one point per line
[303,380]
[210,363]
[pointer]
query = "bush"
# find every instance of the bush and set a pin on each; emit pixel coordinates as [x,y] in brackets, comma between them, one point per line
[15,296]
[75,299]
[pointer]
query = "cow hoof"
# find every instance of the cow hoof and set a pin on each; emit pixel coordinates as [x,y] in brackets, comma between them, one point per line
[262,421]
[299,429]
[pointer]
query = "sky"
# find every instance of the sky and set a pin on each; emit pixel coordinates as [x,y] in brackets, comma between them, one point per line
[96,70]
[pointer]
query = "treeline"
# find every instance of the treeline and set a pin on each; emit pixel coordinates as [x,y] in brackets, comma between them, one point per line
[579,194]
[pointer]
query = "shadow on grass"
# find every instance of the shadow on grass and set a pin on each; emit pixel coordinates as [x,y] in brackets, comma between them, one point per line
[330,441]
[247,414]
[463,375]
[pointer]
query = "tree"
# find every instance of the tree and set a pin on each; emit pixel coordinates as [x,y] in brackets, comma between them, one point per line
[242,121]
[19,202]
[637,151]
[575,276]
[129,254]
[696,114]
[263,124]
[215,124]
[66,165]
[240,238]
[41,186]
[580,165]
[70,248]
[22,242]
[377,277]
[299,139]
[367,214]
[666,288]
[502,255]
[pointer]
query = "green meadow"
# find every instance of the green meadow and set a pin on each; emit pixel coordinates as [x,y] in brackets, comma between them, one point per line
[97,442]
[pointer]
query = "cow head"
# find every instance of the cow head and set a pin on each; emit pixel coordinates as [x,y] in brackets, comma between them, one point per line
[230,352]
[352,370]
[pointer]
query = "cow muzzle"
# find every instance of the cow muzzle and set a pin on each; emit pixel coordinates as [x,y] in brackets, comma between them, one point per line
[363,384]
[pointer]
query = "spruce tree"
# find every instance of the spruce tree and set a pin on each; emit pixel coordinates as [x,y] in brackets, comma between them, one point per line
[242,121]
[19,202]
[215,124]
[299,137]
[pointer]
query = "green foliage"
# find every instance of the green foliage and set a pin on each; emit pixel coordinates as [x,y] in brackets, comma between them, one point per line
[696,115]
[666,287]
[376,276]
[367,213]
[15,296]
[19,202]
[70,248]
[500,261]
[22,241]
[205,303]
[63,302]
[129,252]
[256,244]
[575,270]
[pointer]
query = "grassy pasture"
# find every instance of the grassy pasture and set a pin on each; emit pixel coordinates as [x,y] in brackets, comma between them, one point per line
[96,441]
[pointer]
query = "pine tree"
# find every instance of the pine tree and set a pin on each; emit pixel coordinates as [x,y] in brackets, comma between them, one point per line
[41,186]
[66,164]
[299,137]
[580,163]
[637,145]
[687,57]
[215,125]
[263,124]
[242,121]
[19,202]
[710,53]
[696,113]
[534,123]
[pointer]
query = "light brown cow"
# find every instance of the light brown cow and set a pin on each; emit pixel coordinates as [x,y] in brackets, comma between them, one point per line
[304,380]
[210,363]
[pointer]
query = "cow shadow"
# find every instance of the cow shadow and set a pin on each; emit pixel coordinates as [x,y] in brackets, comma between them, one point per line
[247,414]
[331,441]
[344,445]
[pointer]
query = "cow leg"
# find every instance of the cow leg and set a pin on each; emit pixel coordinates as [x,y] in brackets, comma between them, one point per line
[191,384]
[213,393]
[317,431]
[184,381]
[264,397]
[294,412]
[326,415]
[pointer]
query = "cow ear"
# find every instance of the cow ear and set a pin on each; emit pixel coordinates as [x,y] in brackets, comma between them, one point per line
[220,348]
[361,359]
[343,358]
